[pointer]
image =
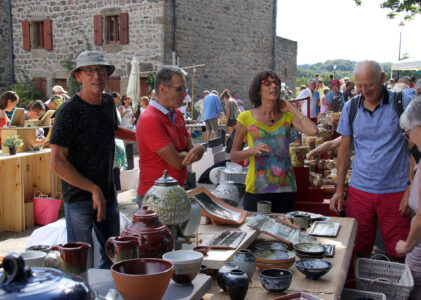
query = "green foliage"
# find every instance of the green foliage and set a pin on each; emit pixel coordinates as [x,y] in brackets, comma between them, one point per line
[13,141]
[24,88]
[409,7]
[151,81]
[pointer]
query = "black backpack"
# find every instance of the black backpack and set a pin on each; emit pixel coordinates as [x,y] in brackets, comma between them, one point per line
[355,103]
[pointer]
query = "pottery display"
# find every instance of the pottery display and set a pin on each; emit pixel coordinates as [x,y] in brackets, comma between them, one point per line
[228,192]
[269,259]
[270,245]
[301,221]
[264,207]
[308,256]
[74,257]
[275,280]
[313,268]
[246,260]
[20,282]
[227,239]
[33,258]
[237,284]
[223,272]
[122,248]
[142,278]
[154,237]
[186,265]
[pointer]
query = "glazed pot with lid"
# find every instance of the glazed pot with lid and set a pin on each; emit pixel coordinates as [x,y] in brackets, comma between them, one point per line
[18,281]
[154,237]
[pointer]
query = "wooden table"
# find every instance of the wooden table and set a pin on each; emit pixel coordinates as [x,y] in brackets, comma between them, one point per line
[328,287]
[22,175]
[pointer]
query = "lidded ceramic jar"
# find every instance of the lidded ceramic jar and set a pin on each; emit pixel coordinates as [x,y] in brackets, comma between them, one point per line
[221,276]
[237,284]
[21,282]
[154,237]
[168,200]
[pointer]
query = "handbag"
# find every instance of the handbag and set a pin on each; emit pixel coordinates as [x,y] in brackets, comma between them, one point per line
[46,208]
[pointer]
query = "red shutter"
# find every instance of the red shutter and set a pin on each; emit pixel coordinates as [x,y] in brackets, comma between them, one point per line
[144,88]
[26,36]
[113,84]
[98,30]
[124,28]
[48,34]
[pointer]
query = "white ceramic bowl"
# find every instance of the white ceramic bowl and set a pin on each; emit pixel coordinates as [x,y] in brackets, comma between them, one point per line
[33,258]
[186,264]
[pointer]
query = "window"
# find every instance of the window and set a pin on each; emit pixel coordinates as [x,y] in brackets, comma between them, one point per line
[40,84]
[116,29]
[38,34]
[113,26]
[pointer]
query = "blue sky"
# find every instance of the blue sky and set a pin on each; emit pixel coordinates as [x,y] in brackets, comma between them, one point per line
[338,29]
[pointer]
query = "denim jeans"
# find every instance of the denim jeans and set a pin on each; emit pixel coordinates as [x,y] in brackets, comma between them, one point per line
[139,200]
[80,218]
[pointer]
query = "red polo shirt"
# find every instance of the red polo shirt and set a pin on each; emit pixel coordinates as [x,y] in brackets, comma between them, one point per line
[154,131]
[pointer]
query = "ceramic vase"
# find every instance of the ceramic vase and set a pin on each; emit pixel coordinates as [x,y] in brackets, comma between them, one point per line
[228,192]
[246,261]
[221,276]
[237,284]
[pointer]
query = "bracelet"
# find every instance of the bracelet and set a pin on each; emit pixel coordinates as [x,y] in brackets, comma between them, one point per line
[408,182]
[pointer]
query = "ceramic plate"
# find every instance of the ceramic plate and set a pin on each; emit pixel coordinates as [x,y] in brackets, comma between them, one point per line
[323,228]
[313,217]
[271,245]
[309,248]
[227,239]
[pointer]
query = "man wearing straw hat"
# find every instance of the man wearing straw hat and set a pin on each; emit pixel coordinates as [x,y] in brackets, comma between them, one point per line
[82,154]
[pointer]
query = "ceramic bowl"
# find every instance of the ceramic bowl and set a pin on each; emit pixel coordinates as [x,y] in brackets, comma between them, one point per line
[274,256]
[313,268]
[43,248]
[202,249]
[186,264]
[142,278]
[271,246]
[309,256]
[309,249]
[33,258]
[275,280]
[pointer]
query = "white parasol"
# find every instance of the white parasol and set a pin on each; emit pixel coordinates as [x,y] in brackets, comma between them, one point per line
[133,87]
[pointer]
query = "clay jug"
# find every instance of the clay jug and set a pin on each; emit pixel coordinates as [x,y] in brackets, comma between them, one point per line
[154,237]
[74,256]
[122,248]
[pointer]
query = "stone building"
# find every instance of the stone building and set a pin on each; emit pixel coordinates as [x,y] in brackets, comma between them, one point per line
[233,39]
[5,49]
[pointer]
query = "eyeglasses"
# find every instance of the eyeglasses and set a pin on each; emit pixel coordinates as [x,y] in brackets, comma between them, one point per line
[406,133]
[90,72]
[181,89]
[267,82]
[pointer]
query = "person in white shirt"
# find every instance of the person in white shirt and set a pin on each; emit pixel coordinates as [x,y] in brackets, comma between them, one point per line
[309,92]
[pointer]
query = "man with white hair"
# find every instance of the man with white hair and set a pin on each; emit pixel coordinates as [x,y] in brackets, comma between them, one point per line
[309,92]
[418,87]
[376,193]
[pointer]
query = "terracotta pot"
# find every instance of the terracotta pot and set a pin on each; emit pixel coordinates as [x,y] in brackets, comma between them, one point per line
[154,237]
[142,278]
[74,256]
[122,248]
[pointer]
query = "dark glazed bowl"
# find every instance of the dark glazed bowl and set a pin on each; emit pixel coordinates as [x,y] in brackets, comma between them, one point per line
[275,280]
[202,249]
[309,249]
[142,278]
[313,268]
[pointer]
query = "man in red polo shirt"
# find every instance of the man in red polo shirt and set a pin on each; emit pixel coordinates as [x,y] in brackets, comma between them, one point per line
[162,137]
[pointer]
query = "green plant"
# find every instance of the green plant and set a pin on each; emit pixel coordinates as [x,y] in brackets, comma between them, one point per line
[24,88]
[13,141]
[151,81]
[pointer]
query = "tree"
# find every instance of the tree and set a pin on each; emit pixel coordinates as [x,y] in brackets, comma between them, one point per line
[409,7]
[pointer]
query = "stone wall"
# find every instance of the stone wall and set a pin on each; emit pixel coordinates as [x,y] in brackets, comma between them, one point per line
[5,61]
[286,61]
[73,29]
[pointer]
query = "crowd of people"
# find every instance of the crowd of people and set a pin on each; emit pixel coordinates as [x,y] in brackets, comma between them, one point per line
[377,120]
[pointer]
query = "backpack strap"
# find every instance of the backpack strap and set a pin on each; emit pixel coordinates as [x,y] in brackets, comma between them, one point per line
[355,102]
[398,103]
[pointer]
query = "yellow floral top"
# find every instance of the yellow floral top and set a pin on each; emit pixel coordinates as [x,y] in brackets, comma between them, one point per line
[269,172]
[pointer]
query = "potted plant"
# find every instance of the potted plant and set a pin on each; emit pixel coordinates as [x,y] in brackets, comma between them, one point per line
[13,142]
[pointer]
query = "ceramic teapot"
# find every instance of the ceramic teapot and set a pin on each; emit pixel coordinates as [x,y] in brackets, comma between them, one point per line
[154,237]
[18,281]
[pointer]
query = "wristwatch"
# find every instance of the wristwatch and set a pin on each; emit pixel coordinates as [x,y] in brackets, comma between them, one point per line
[408,182]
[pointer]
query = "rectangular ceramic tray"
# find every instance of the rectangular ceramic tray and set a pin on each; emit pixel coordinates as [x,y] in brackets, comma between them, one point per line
[227,239]
[325,228]
[279,229]
[330,248]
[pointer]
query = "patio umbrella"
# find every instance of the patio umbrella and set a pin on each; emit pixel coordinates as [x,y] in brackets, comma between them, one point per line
[133,87]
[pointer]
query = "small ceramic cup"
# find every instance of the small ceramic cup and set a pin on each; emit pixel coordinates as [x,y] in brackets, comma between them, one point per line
[33,258]
[301,221]
[264,207]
